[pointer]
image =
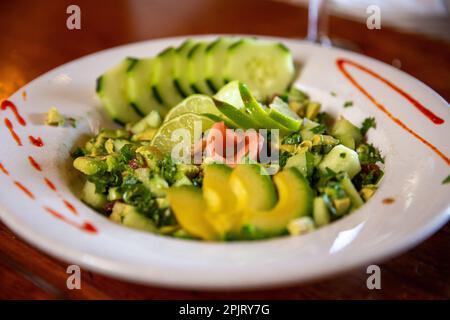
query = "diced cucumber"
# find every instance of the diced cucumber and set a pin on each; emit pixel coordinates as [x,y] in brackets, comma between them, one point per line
[163,85]
[304,162]
[216,57]
[341,158]
[306,132]
[197,63]
[151,120]
[320,212]
[266,67]
[114,194]
[139,86]
[181,75]
[130,217]
[352,193]
[111,89]
[347,133]
[93,199]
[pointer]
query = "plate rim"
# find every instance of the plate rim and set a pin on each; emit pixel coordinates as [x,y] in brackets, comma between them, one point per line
[116,269]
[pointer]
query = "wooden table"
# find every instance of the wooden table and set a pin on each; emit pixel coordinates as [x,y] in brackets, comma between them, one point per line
[34,39]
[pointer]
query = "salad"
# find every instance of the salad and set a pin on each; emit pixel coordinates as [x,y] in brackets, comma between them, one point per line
[217,145]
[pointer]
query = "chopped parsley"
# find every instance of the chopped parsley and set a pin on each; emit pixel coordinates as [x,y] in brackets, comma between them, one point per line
[367,124]
[294,138]
[348,104]
[368,154]
[446,180]
[320,129]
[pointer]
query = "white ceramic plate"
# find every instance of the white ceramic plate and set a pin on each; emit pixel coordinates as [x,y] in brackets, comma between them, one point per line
[414,174]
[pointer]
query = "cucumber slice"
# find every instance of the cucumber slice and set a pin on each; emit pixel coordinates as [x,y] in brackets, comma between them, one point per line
[197,62]
[280,112]
[229,102]
[241,119]
[216,57]
[111,89]
[139,87]
[266,67]
[181,75]
[162,84]
[258,112]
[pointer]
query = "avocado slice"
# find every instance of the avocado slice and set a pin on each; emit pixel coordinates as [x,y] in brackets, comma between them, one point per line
[295,200]
[189,207]
[224,212]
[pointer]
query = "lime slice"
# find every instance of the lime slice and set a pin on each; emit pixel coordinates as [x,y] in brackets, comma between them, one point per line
[230,94]
[188,121]
[196,103]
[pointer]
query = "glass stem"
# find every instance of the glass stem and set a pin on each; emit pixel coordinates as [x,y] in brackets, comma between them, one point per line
[318,21]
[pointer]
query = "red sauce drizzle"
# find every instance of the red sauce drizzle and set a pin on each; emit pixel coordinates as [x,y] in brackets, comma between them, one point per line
[388,200]
[86,226]
[50,184]
[3,169]
[426,112]
[24,189]
[12,106]
[36,141]
[34,163]
[70,206]
[10,127]
[341,62]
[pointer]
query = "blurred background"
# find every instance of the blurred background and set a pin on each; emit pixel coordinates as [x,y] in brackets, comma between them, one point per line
[34,36]
[414,36]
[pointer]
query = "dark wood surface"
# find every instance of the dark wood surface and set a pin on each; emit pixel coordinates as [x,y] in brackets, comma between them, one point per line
[34,39]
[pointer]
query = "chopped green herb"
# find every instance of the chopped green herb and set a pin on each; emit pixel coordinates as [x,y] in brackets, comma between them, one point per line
[284,156]
[446,180]
[72,122]
[368,154]
[367,124]
[78,152]
[294,138]
[168,169]
[348,104]
[320,129]
[333,93]
[342,155]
